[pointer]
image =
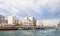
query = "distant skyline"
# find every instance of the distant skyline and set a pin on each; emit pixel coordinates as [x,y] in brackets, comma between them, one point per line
[40,9]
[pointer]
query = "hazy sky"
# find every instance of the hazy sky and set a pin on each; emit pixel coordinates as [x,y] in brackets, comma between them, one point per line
[40,9]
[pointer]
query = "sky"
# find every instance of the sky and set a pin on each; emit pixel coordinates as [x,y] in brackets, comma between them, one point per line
[40,9]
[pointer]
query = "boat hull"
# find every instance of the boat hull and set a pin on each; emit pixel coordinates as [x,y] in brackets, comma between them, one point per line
[7,28]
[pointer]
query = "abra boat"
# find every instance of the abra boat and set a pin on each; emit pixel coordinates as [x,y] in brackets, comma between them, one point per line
[8,28]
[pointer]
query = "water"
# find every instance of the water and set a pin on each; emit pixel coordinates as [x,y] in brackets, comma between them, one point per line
[48,32]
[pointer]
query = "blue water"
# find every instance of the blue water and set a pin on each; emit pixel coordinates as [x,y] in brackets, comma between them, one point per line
[48,32]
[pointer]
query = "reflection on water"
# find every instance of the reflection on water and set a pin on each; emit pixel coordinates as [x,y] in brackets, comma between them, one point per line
[50,32]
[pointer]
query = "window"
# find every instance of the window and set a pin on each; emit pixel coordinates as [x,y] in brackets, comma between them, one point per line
[25,22]
[30,22]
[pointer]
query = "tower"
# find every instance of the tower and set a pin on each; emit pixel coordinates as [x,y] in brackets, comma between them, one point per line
[11,19]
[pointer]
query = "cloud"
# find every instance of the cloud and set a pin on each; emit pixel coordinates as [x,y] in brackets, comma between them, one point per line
[30,7]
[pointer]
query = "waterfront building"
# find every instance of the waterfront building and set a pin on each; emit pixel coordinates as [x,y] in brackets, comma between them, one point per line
[2,18]
[5,21]
[39,23]
[31,21]
[18,22]
[25,22]
[50,23]
[11,19]
[58,24]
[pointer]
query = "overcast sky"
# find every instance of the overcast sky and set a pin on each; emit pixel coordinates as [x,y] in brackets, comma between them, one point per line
[40,9]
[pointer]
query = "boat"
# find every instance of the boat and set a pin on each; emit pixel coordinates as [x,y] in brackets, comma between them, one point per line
[8,28]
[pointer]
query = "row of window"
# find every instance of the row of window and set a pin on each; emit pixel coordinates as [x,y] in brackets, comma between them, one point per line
[30,22]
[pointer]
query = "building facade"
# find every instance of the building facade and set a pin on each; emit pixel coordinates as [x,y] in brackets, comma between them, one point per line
[11,19]
[39,23]
[31,21]
[2,19]
[59,24]
[18,22]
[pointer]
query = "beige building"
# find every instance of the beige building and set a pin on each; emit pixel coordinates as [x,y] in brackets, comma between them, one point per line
[31,21]
[2,19]
[11,19]
[18,22]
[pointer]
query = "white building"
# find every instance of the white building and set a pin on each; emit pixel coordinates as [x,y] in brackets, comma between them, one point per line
[25,22]
[11,19]
[39,23]
[29,21]
[18,22]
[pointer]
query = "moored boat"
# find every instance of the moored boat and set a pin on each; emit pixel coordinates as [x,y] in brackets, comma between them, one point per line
[8,28]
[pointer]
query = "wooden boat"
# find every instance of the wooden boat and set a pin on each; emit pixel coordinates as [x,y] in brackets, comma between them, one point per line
[8,28]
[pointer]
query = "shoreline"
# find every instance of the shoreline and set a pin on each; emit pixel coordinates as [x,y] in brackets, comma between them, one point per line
[10,28]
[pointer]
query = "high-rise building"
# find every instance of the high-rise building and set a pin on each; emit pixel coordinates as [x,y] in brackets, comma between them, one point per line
[2,18]
[29,21]
[11,19]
